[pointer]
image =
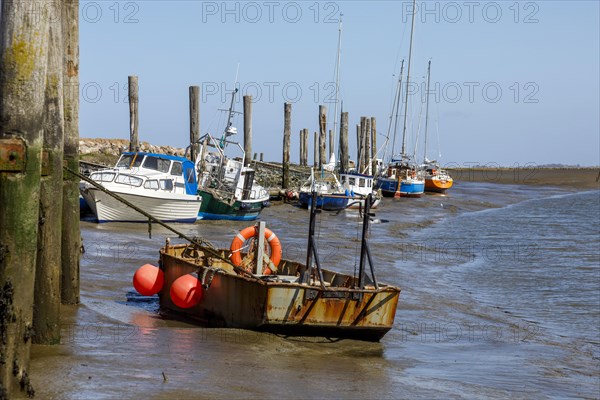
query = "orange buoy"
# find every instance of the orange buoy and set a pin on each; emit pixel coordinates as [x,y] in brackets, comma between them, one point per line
[238,242]
[148,280]
[186,291]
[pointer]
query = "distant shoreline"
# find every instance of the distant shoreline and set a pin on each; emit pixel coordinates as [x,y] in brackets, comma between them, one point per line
[578,178]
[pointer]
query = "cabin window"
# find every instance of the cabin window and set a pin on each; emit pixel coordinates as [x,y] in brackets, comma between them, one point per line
[189,175]
[361,182]
[130,161]
[369,182]
[103,176]
[151,184]
[343,178]
[157,164]
[352,181]
[166,184]
[176,169]
[129,180]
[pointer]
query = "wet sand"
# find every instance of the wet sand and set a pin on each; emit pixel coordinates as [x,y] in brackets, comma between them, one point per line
[578,178]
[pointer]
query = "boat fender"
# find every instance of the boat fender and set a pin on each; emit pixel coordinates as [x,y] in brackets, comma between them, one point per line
[186,291]
[148,280]
[249,232]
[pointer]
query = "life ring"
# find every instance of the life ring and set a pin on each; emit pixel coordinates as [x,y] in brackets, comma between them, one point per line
[251,231]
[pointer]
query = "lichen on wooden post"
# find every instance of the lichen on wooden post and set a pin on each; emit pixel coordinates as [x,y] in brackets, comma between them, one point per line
[23,64]
[322,136]
[344,155]
[71,236]
[47,295]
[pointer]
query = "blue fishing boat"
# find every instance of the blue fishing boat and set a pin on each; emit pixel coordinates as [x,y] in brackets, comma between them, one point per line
[331,195]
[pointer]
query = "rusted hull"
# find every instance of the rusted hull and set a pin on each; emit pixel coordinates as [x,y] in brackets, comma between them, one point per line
[283,305]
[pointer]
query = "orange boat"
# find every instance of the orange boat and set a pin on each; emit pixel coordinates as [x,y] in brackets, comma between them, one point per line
[437,180]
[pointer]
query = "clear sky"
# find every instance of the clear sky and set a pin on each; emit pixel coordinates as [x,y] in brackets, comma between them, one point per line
[512,82]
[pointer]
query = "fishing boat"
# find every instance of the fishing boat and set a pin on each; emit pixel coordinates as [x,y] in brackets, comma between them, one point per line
[332,196]
[437,179]
[227,187]
[229,288]
[163,185]
[359,186]
[400,178]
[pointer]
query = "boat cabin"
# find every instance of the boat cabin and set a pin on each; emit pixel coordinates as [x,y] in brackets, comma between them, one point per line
[159,172]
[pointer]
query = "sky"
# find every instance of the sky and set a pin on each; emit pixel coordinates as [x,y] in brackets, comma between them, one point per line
[512,83]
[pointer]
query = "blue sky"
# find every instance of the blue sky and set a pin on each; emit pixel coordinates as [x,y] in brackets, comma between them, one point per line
[512,82]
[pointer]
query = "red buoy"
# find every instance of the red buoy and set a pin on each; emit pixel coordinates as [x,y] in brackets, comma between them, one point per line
[148,280]
[186,291]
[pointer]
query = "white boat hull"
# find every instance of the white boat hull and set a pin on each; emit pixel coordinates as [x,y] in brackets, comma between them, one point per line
[181,208]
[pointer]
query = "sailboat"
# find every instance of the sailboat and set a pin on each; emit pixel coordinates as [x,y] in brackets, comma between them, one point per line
[227,187]
[400,179]
[437,180]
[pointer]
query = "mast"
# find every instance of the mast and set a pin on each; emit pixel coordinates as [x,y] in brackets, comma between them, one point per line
[427,111]
[229,129]
[412,28]
[395,109]
[337,75]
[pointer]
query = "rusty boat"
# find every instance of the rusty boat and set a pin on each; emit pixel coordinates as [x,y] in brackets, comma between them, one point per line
[229,288]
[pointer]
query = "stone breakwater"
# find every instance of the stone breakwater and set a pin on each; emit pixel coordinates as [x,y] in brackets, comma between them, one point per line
[107,152]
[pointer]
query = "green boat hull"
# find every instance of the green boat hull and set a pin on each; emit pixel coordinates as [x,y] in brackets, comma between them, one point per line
[213,208]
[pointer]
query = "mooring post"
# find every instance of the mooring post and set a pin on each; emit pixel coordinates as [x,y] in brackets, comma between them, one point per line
[315,151]
[247,128]
[261,157]
[71,236]
[358,148]
[24,48]
[344,155]
[47,296]
[254,156]
[367,166]
[260,248]
[305,162]
[134,140]
[373,147]
[322,136]
[301,154]
[194,122]
[287,128]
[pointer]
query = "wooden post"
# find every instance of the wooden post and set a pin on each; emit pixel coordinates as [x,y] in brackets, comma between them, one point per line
[248,128]
[254,157]
[194,122]
[287,127]
[305,147]
[322,135]
[363,144]
[261,157]
[367,166]
[71,236]
[23,63]
[47,298]
[315,151]
[358,149]
[373,147]
[344,155]
[134,140]
[301,155]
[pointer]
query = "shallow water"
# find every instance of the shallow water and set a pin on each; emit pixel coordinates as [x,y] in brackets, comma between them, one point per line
[500,298]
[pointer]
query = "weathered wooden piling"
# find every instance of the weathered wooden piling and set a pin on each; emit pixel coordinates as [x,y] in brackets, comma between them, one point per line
[134,140]
[363,144]
[287,128]
[261,157]
[254,156]
[344,155]
[301,154]
[248,128]
[23,63]
[315,151]
[47,297]
[358,147]
[194,122]
[71,236]
[322,135]
[367,144]
[373,146]
[305,139]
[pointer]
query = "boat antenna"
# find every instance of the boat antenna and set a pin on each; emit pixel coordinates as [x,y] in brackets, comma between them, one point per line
[427,111]
[337,78]
[412,29]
